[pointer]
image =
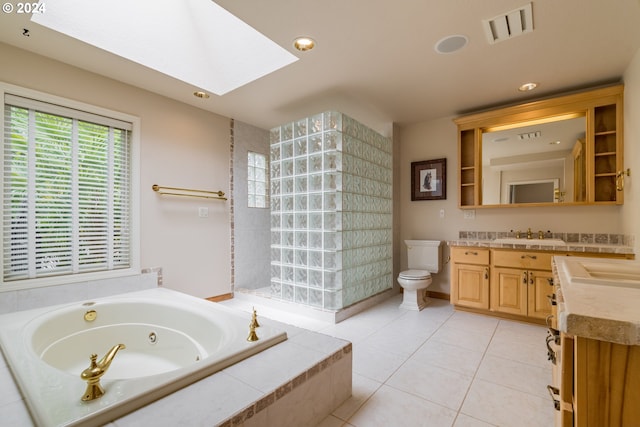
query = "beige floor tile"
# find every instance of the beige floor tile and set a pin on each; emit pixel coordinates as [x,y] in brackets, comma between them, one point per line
[362,389]
[473,322]
[467,421]
[373,363]
[452,357]
[332,421]
[435,384]
[525,351]
[398,340]
[519,331]
[520,376]
[504,406]
[460,337]
[391,407]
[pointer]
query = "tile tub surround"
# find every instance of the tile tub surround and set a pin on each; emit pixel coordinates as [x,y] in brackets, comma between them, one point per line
[605,313]
[575,242]
[297,382]
[26,299]
[437,367]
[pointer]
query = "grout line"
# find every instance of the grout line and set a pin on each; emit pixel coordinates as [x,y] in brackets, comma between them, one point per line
[402,364]
[475,374]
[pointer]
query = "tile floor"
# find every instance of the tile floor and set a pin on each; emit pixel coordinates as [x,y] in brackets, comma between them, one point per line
[439,367]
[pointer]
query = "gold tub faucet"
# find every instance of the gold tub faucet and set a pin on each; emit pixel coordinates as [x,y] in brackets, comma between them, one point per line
[252,327]
[95,371]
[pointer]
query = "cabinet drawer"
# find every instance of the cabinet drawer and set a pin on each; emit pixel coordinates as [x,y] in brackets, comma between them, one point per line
[470,255]
[522,259]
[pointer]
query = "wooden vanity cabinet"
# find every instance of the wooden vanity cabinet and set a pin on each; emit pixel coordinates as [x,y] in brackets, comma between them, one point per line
[521,283]
[511,283]
[598,383]
[594,383]
[470,277]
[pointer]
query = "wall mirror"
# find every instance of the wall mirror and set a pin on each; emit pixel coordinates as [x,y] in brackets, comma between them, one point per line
[535,162]
[557,151]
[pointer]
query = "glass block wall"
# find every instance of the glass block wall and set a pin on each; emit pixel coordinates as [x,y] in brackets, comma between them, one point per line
[331,211]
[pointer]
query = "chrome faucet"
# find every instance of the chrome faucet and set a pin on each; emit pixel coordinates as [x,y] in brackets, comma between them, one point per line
[95,371]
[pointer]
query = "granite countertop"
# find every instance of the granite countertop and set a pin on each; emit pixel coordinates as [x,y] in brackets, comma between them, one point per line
[535,244]
[558,241]
[600,309]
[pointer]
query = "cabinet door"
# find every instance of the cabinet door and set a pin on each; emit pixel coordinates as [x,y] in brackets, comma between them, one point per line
[509,290]
[606,383]
[540,288]
[470,286]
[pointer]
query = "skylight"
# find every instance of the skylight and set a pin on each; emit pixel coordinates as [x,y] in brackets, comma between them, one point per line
[195,41]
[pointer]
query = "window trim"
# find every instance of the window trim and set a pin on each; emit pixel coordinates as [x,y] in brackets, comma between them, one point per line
[9,89]
[267,199]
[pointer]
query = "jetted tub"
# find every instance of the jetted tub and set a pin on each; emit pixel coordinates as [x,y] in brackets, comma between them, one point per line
[171,339]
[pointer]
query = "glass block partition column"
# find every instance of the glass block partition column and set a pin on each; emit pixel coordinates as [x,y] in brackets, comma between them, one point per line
[331,212]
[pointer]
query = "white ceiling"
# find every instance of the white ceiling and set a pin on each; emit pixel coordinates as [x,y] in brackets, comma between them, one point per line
[375,59]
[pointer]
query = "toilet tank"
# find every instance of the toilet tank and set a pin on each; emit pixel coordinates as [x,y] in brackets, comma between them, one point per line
[424,255]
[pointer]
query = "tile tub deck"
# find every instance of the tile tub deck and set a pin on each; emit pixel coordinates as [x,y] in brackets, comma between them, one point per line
[297,382]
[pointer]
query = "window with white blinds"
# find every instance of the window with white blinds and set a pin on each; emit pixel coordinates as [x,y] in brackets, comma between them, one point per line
[66,191]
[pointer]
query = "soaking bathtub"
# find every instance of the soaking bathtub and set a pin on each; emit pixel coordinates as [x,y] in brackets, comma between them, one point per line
[171,340]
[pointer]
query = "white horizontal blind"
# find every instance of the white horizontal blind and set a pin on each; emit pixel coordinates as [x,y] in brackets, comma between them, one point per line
[66,191]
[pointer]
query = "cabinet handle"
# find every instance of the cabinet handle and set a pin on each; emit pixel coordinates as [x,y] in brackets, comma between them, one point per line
[547,320]
[529,256]
[531,278]
[620,178]
[486,273]
[550,280]
[551,354]
[553,391]
[471,253]
[525,278]
[554,334]
[552,299]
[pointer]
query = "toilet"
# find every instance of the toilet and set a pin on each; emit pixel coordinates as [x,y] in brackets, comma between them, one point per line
[424,258]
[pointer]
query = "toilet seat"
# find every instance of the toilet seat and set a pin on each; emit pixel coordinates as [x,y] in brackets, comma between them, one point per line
[414,275]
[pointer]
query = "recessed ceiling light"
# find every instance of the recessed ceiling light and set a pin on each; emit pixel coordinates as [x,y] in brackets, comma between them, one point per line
[201,94]
[451,44]
[304,44]
[527,87]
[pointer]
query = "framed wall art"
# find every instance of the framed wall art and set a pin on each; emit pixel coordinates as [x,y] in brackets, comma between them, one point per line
[429,180]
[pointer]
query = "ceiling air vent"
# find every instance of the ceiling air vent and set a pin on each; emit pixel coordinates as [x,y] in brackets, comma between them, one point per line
[509,25]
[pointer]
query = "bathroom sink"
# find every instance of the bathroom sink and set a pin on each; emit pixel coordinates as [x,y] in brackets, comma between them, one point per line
[621,274]
[541,242]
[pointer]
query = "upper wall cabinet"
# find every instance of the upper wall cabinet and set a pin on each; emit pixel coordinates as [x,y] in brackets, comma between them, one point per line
[560,151]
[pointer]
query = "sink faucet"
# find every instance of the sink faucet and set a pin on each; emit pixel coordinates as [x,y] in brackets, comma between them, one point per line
[529,234]
[95,371]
